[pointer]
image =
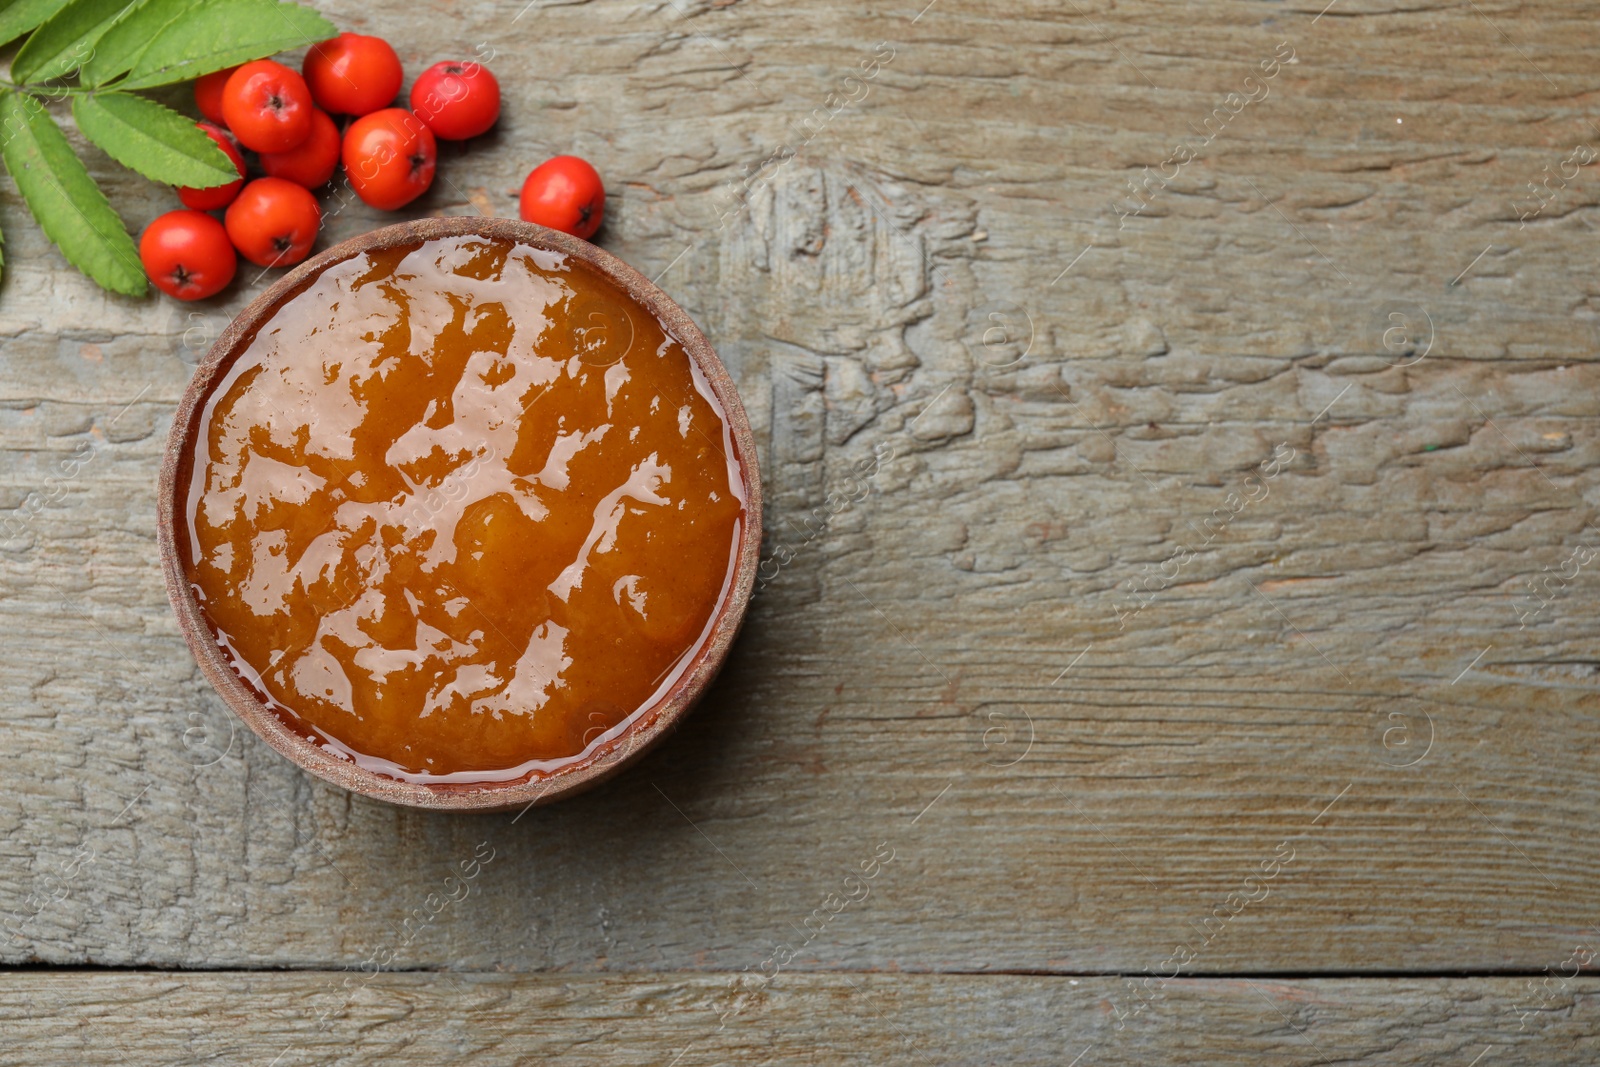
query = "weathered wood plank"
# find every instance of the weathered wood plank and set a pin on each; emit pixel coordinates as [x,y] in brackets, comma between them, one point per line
[311,1017]
[1357,632]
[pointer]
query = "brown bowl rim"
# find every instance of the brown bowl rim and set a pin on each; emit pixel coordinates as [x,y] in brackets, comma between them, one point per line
[607,760]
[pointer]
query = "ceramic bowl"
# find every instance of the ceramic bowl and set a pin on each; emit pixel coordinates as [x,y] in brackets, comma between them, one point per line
[606,760]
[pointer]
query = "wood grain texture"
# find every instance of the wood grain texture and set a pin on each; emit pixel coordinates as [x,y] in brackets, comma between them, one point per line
[691,1020]
[1081,693]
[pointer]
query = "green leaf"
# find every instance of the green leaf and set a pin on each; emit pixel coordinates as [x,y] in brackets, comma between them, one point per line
[70,207]
[66,40]
[154,140]
[121,45]
[221,33]
[20,16]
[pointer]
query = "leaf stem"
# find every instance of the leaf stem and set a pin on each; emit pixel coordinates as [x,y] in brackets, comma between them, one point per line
[50,92]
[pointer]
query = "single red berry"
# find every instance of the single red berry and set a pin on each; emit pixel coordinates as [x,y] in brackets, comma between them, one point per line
[208,93]
[267,106]
[274,222]
[353,74]
[564,194]
[187,254]
[314,161]
[218,195]
[389,157]
[456,100]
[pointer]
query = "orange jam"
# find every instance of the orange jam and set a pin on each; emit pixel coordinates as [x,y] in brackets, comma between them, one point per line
[465,510]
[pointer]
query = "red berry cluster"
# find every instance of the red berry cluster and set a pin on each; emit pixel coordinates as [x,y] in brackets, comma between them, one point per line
[389,156]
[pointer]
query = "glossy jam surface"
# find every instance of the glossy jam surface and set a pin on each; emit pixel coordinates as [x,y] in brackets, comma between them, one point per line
[464,511]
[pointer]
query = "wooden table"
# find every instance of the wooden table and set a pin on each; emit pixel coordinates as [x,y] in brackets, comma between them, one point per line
[1179,428]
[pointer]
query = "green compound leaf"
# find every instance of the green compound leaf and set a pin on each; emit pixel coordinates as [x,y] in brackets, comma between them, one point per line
[152,139]
[221,33]
[20,16]
[66,40]
[58,190]
[122,44]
